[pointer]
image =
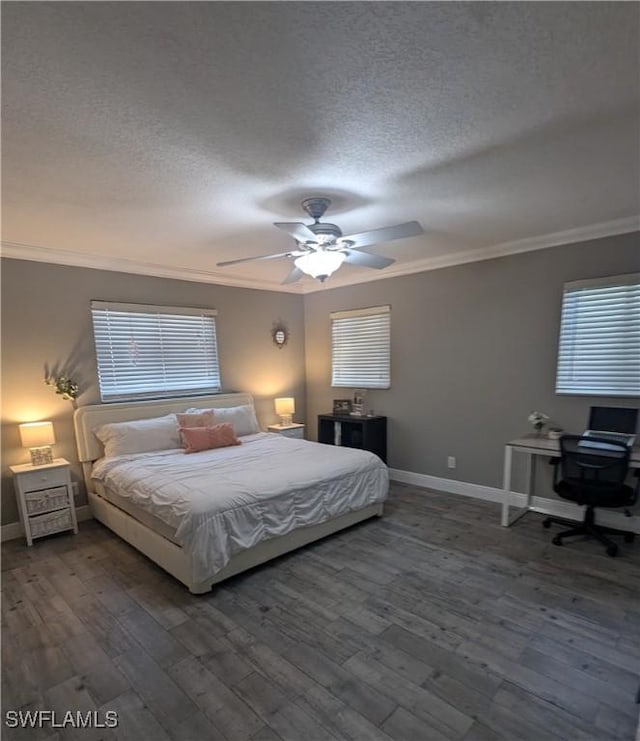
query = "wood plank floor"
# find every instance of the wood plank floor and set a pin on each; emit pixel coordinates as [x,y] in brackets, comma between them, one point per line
[432,623]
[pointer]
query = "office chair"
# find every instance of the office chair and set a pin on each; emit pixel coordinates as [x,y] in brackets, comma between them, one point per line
[591,475]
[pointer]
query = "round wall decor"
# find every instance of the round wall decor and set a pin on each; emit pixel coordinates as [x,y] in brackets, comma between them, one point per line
[280,334]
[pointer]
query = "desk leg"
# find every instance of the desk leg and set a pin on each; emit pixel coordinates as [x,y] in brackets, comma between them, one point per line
[506,519]
[530,479]
[506,485]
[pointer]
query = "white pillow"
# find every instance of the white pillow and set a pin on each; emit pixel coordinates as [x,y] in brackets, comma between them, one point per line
[139,435]
[243,418]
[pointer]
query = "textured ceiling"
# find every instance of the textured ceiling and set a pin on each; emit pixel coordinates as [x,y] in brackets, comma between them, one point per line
[172,135]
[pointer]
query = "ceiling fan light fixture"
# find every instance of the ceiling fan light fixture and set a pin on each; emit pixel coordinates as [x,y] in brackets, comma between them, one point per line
[320,264]
[321,247]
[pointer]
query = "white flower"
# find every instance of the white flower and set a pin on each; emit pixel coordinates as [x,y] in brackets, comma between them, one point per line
[537,419]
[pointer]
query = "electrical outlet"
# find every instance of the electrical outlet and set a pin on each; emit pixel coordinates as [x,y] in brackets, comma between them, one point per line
[451,461]
[74,488]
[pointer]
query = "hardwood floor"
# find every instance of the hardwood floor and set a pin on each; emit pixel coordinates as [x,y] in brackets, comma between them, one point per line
[430,624]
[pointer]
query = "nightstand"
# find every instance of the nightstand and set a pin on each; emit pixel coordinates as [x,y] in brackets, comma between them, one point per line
[45,498]
[349,431]
[292,430]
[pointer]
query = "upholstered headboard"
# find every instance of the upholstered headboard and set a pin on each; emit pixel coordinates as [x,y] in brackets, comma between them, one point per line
[86,419]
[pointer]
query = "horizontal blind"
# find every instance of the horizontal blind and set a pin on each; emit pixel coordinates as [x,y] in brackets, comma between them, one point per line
[361,348]
[154,351]
[599,347]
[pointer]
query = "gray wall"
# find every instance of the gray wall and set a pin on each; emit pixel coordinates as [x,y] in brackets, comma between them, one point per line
[473,352]
[46,321]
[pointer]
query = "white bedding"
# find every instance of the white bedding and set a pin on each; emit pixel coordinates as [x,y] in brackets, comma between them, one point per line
[223,501]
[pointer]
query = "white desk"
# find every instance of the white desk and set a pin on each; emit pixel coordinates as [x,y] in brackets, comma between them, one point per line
[532,446]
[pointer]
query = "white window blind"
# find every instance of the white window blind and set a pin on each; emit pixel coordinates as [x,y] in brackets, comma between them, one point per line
[154,351]
[361,348]
[599,348]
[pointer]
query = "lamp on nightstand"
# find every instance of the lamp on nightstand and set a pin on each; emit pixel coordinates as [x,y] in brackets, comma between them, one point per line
[285,409]
[38,437]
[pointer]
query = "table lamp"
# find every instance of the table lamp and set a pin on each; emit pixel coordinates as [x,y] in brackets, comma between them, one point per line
[285,409]
[38,437]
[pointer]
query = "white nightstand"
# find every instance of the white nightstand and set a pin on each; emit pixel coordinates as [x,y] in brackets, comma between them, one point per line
[45,498]
[292,430]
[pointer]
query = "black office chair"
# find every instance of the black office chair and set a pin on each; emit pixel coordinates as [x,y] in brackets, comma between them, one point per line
[592,472]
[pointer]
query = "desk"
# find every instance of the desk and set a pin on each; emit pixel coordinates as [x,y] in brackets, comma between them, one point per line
[532,446]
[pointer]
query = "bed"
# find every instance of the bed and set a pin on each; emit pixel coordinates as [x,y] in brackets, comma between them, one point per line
[207,516]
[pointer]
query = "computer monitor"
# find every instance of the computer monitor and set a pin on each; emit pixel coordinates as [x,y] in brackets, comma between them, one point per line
[613,419]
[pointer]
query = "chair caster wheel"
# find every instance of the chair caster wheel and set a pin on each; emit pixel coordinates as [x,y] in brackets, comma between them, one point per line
[556,541]
[612,550]
[546,523]
[629,537]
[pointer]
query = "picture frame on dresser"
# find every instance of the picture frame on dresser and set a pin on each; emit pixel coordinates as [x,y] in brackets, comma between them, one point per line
[342,406]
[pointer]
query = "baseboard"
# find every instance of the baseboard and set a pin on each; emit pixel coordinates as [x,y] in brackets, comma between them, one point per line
[14,530]
[558,508]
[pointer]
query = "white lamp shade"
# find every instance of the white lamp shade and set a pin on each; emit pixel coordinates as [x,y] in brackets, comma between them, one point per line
[36,434]
[321,263]
[285,406]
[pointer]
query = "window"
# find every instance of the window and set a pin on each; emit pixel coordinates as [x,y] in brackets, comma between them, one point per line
[154,351]
[361,348]
[599,350]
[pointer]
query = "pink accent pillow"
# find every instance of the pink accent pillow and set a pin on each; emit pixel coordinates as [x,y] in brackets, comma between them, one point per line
[196,439]
[196,419]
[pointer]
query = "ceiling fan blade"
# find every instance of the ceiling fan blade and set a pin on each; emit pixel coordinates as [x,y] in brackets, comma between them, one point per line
[249,259]
[299,231]
[386,234]
[293,276]
[364,258]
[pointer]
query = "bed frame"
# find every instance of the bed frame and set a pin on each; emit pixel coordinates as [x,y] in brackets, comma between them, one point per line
[168,555]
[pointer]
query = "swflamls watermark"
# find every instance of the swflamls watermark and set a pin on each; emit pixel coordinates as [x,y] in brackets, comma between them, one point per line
[68,719]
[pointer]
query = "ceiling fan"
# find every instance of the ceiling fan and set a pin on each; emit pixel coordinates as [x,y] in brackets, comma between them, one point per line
[321,247]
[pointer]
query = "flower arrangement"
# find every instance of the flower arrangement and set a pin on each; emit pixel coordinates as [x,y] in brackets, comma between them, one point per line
[64,386]
[538,420]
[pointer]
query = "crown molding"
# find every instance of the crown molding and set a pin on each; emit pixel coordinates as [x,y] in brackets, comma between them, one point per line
[530,244]
[35,253]
[19,251]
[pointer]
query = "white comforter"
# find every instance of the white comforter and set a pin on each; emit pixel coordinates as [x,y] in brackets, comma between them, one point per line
[225,500]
